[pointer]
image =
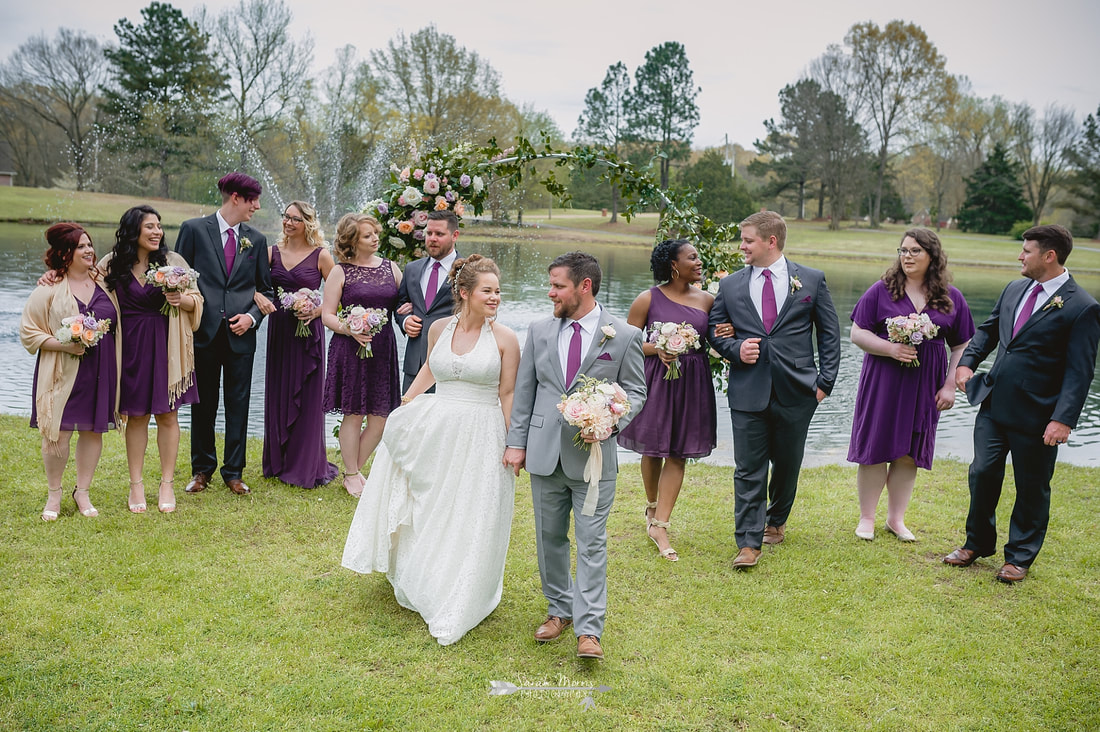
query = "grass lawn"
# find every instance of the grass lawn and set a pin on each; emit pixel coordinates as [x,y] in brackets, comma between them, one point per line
[38,205]
[234,614]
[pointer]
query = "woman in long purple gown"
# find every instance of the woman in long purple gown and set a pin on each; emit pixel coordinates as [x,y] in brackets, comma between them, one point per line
[679,419]
[75,388]
[294,422]
[158,353]
[898,404]
[360,388]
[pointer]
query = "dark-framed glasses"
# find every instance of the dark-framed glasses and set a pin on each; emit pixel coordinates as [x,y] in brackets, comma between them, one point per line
[903,251]
[300,220]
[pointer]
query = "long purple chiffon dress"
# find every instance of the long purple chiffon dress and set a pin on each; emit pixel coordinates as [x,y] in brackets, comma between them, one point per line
[144,386]
[679,418]
[294,423]
[369,386]
[895,412]
[91,405]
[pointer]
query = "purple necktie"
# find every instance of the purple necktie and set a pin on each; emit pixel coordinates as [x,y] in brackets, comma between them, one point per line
[573,362]
[767,302]
[230,250]
[1029,306]
[433,286]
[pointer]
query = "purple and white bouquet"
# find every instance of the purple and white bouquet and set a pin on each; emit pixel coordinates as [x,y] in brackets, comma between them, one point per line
[674,339]
[302,301]
[171,279]
[84,329]
[363,321]
[911,330]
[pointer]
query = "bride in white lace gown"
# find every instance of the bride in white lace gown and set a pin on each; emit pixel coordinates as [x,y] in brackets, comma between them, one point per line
[436,513]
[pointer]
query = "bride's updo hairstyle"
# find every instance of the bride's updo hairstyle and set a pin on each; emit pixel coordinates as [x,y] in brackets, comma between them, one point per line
[465,273]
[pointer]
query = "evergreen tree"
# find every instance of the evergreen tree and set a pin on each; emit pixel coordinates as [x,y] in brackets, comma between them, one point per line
[1084,181]
[603,119]
[722,198]
[662,108]
[994,196]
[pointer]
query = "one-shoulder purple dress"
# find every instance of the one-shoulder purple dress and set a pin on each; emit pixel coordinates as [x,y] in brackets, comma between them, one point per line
[895,412]
[679,418]
[144,386]
[294,423]
[91,405]
[370,386]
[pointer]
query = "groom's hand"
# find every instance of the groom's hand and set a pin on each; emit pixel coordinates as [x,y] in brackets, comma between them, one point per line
[515,458]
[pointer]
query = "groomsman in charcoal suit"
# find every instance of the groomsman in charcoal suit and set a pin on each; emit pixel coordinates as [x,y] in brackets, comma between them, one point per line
[231,259]
[425,286]
[581,338]
[776,308]
[1045,329]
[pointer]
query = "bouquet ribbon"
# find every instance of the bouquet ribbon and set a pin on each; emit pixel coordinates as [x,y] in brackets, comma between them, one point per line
[593,469]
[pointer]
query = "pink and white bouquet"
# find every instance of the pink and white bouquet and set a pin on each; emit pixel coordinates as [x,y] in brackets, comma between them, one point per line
[363,321]
[674,339]
[595,407]
[83,329]
[302,301]
[911,330]
[171,279]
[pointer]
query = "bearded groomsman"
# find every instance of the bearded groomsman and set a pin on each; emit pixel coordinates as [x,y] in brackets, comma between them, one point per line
[1045,329]
[231,259]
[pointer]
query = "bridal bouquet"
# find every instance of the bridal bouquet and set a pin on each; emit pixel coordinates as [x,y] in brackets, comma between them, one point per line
[171,279]
[363,321]
[595,407]
[84,329]
[912,330]
[302,301]
[674,339]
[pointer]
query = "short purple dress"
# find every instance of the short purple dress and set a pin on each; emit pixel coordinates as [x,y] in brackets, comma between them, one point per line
[679,418]
[144,387]
[896,411]
[365,385]
[91,405]
[294,423]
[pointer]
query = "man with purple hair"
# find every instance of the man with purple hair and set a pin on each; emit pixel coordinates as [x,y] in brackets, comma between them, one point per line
[231,259]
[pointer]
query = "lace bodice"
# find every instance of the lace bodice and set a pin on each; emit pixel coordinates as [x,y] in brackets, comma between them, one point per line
[472,376]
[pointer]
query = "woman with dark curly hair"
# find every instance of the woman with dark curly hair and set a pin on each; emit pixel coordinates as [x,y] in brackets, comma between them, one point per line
[158,353]
[679,419]
[898,402]
[75,385]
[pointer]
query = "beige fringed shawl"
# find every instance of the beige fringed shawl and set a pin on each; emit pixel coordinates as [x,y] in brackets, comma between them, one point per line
[181,336]
[42,316]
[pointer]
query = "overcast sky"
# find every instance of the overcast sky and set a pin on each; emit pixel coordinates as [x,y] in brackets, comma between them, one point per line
[742,53]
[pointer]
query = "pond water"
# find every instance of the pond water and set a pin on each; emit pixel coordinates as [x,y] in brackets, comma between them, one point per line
[626,273]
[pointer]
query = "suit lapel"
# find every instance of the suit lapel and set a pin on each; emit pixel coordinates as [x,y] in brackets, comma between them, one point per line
[595,348]
[792,271]
[213,234]
[744,299]
[553,331]
[1065,292]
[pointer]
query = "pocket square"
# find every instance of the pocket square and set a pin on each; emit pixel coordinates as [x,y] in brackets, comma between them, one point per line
[807,299]
[604,357]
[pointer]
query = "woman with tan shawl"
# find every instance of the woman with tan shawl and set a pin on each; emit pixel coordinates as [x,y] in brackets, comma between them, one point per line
[158,356]
[75,379]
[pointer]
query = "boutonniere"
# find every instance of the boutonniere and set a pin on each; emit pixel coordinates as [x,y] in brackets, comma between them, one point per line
[609,332]
[796,284]
[246,244]
[1055,302]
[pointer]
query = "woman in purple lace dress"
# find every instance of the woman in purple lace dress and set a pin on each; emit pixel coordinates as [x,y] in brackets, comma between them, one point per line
[294,422]
[360,388]
[679,419]
[158,353]
[898,404]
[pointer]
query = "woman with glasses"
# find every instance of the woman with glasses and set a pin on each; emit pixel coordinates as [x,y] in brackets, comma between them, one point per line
[903,388]
[294,423]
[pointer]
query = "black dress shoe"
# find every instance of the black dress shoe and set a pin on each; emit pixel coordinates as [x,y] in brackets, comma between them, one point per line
[198,483]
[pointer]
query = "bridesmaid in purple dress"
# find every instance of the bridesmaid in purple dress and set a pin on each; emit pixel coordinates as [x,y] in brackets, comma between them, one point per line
[898,405]
[679,419]
[356,387]
[158,354]
[294,423]
[75,388]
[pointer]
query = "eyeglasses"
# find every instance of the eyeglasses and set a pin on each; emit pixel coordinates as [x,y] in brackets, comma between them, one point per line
[910,252]
[299,220]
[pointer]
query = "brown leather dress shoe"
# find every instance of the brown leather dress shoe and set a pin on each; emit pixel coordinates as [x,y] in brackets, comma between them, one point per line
[775,534]
[747,557]
[551,628]
[961,557]
[237,486]
[1011,573]
[198,483]
[588,646]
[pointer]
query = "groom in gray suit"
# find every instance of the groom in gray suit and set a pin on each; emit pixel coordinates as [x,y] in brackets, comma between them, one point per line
[581,338]
[775,307]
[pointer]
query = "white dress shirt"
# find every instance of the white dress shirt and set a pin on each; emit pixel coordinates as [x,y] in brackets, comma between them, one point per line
[1050,287]
[223,227]
[590,324]
[780,285]
[444,269]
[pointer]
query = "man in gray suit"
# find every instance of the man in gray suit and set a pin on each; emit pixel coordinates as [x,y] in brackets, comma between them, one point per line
[581,338]
[425,286]
[775,306]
